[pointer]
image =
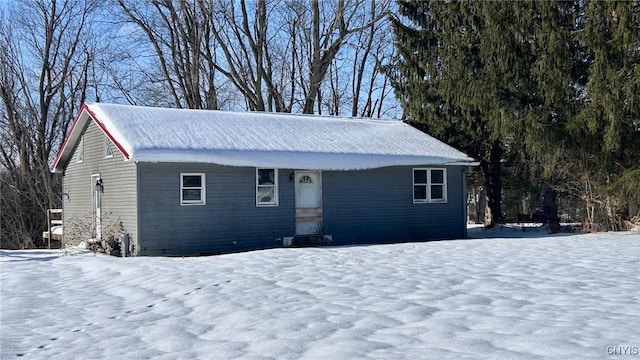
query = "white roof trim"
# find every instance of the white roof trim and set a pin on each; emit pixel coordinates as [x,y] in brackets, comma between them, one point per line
[472,163]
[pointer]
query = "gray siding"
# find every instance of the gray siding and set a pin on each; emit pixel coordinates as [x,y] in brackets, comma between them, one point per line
[119,178]
[371,206]
[229,221]
[376,206]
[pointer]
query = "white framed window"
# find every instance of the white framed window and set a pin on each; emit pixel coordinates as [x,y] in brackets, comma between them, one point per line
[266,187]
[80,149]
[108,151]
[192,189]
[429,185]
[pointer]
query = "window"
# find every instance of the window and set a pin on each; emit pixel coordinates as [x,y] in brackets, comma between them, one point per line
[429,185]
[108,152]
[266,187]
[306,179]
[192,189]
[81,150]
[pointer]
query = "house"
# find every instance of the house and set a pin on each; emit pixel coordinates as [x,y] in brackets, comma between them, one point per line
[183,182]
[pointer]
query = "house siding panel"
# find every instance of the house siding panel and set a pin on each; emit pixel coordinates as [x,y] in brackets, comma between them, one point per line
[370,206]
[229,221]
[376,206]
[119,196]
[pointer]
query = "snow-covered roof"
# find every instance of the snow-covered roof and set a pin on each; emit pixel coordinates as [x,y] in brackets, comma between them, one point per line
[258,139]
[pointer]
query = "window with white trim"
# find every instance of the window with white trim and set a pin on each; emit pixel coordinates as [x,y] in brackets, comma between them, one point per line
[192,189]
[429,185]
[80,149]
[108,152]
[266,187]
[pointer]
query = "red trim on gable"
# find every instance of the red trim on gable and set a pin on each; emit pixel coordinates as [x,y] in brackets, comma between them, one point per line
[93,116]
[66,140]
[106,132]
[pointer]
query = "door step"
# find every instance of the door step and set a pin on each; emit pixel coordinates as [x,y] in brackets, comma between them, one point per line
[311,240]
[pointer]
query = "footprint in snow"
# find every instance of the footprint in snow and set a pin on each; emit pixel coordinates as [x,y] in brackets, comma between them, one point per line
[44,346]
[198,288]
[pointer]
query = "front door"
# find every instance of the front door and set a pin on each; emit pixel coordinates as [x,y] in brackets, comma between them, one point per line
[308,203]
[96,201]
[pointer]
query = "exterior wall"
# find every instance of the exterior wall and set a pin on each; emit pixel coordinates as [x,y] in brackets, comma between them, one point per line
[228,222]
[119,196]
[371,206]
[376,206]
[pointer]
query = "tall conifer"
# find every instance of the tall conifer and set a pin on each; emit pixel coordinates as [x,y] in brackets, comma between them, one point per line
[459,77]
[547,87]
[610,118]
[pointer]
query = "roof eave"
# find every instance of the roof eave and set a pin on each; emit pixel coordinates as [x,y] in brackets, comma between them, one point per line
[464,163]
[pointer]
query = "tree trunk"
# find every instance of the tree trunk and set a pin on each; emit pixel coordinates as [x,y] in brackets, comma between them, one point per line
[550,209]
[492,171]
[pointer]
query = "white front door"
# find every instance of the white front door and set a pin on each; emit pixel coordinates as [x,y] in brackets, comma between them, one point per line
[308,203]
[97,205]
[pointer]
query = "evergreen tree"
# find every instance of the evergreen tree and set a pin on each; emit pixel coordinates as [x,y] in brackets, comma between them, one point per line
[459,76]
[552,96]
[547,87]
[609,122]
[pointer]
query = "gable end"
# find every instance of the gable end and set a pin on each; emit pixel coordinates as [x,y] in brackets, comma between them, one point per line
[75,134]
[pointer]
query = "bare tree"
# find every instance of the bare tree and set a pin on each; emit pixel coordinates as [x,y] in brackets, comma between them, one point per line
[356,84]
[180,35]
[274,53]
[331,25]
[244,33]
[44,63]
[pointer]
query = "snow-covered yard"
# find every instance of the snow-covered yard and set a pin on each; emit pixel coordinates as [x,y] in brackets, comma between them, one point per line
[534,297]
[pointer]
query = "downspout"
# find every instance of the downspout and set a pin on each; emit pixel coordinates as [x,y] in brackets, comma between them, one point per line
[136,242]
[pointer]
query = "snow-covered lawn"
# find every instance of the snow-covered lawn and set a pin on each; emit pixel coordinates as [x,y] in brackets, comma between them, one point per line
[533,297]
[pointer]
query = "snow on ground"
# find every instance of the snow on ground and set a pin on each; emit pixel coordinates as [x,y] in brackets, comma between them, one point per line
[534,297]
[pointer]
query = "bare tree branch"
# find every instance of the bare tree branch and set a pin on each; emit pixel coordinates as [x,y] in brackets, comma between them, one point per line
[44,64]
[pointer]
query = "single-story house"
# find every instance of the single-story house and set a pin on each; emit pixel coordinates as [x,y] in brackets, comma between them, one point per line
[188,182]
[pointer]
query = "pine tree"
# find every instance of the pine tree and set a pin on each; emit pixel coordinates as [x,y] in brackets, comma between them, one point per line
[549,88]
[609,122]
[459,75]
[552,95]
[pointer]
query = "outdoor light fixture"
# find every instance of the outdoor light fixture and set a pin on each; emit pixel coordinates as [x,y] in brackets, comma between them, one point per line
[99,186]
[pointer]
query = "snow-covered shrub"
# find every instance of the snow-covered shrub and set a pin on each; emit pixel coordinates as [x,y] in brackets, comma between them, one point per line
[83,229]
